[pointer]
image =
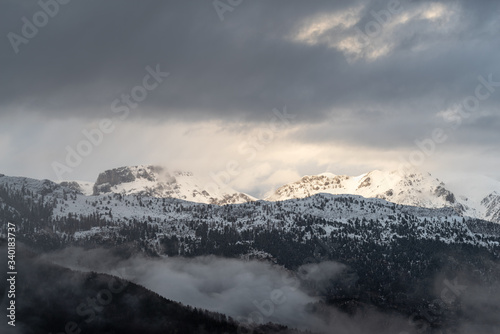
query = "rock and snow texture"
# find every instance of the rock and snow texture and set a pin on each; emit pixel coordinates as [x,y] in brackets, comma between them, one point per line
[492,205]
[82,187]
[143,181]
[403,186]
[154,181]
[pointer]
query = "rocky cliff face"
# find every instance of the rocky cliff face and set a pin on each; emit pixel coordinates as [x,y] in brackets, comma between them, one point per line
[114,177]
[399,186]
[155,181]
[492,205]
[404,186]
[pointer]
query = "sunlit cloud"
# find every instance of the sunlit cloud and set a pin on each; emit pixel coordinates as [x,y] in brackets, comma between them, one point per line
[370,35]
[316,30]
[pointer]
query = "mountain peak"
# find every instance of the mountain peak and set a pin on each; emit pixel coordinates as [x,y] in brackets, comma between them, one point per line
[405,185]
[158,181]
[408,186]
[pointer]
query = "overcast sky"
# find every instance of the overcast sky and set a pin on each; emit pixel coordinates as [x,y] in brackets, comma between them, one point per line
[284,88]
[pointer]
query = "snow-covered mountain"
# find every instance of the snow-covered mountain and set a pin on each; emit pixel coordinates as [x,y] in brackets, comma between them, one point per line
[491,203]
[388,249]
[392,252]
[155,181]
[144,180]
[398,186]
[402,186]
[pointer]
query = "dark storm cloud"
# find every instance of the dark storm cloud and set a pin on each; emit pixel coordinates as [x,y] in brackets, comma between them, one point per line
[242,67]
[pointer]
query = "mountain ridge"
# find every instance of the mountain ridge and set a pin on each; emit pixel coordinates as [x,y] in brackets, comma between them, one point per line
[157,181]
[404,186]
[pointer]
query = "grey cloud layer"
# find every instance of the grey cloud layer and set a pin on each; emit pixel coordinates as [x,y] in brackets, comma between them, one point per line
[92,51]
[426,59]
